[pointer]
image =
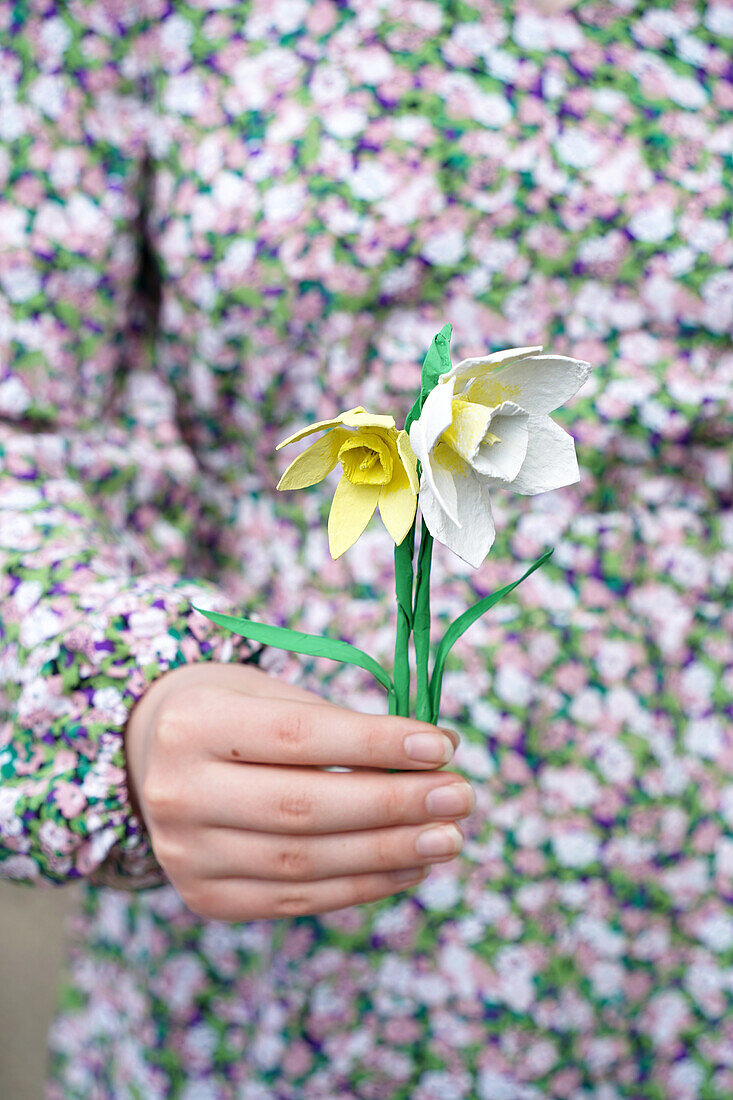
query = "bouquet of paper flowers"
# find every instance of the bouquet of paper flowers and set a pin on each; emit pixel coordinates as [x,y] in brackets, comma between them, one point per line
[478,426]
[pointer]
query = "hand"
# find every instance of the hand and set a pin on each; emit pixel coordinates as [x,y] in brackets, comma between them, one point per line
[226,767]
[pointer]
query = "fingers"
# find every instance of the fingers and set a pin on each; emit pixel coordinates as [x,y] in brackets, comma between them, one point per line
[233,854]
[266,730]
[260,899]
[309,801]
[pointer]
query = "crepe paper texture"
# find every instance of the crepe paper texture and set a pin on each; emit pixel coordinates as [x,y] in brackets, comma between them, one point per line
[475,427]
[379,470]
[484,426]
[313,645]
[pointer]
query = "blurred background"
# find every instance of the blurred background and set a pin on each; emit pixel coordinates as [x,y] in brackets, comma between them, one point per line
[31,960]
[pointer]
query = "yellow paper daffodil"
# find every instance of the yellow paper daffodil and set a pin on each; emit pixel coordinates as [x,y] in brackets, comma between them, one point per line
[379,469]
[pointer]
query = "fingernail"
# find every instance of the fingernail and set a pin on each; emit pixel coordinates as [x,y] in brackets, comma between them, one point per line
[412,874]
[455,737]
[453,800]
[440,840]
[430,748]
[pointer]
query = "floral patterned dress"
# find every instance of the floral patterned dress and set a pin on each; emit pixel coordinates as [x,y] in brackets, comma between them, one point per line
[222,219]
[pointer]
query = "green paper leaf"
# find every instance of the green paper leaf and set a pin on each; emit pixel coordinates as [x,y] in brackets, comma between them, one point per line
[280,637]
[437,362]
[461,625]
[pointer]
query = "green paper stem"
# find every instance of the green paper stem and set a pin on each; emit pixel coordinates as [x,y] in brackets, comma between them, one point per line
[436,362]
[280,637]
[460,626]
[421,624]
[403,591]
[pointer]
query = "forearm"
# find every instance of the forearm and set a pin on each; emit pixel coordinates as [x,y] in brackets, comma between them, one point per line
[83,639]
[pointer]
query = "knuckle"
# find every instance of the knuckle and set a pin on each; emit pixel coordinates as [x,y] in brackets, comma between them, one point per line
[180,713]
[383,853]
[293,903]
[170,725]
[373,743]
[393,804]
[203,900]
[169,853]
[163,796]
[293,861]
[156,794]
[292,735]
[296,808]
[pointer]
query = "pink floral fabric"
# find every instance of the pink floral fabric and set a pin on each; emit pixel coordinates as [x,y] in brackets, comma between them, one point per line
[222,220]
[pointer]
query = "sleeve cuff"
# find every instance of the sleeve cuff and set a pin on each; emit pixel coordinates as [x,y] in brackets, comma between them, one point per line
[161,634]
[83,825]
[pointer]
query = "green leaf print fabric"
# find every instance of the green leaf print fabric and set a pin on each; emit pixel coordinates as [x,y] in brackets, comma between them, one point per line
[220,221]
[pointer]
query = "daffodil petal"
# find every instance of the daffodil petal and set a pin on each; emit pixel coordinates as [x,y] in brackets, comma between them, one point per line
[468,430]
[321,426]
[397,504]
[360,418]
[551,461]
[351,509]
[473,539]
[409,459]
[542,383]
[315,463]
[437,413]
[429,475]
[474,368]
[503,459]
[441,468]
[417,440]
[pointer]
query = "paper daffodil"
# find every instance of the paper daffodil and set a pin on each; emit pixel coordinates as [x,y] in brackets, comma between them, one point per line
[476,426]
[379,469]
[485,425]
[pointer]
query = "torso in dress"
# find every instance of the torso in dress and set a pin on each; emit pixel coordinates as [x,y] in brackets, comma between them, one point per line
[328,183]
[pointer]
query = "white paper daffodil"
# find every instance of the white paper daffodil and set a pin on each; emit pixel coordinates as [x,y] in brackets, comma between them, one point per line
[484,426]
[379,470]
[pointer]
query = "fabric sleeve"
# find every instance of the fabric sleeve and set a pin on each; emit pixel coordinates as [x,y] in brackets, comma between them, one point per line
[101,509]
[84,632]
